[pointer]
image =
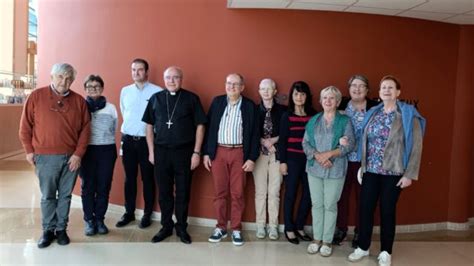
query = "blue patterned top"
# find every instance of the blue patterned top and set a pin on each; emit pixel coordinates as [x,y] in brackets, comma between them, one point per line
[356,119]
[378,131]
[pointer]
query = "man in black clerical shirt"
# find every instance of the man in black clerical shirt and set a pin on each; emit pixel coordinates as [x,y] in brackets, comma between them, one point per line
[175,130]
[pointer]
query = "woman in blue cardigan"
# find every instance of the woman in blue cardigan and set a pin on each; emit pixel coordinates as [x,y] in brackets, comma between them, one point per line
[390,153]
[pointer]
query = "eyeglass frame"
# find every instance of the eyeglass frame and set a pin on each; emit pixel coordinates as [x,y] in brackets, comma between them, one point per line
[233,84]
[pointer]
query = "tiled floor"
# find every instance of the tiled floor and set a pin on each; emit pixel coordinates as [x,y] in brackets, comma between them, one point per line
[20,227]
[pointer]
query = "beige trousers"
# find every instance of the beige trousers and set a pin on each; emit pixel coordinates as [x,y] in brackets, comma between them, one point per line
[267,179]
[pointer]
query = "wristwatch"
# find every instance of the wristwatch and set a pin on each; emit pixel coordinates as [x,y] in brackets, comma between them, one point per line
[196,152]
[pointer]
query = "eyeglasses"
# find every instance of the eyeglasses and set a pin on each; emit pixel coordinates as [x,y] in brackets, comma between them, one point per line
[172,77]
[361,86]
[236,84]
[59,106]
[93,88]
[266,89]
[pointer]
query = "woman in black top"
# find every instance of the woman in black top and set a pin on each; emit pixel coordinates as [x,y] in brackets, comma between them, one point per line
[293,159]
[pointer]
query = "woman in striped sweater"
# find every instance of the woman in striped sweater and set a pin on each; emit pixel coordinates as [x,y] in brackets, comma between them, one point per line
[293,160]
[99,160]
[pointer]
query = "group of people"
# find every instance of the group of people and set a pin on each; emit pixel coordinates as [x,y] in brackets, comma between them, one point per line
[165,133]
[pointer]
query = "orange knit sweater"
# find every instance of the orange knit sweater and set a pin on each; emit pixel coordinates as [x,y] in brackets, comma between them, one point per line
[53,124]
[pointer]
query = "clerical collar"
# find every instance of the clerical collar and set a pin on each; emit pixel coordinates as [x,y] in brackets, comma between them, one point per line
[174,93]
[66,93]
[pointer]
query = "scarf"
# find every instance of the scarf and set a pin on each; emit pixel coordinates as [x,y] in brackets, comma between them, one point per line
[95,105]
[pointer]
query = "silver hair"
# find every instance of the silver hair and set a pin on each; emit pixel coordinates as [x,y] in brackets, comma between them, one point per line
[177,68]
[331,89]
[63,68]
[269,80]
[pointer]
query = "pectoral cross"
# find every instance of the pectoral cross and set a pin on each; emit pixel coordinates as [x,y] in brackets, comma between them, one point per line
[169,123]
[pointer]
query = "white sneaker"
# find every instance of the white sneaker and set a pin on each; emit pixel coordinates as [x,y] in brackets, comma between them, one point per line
[273,233]
[385,259]
[260,233]
[313,248]
[358,254]
[325,251]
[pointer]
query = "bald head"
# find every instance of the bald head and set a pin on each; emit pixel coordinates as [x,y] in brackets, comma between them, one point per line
[175,69]
[173,78]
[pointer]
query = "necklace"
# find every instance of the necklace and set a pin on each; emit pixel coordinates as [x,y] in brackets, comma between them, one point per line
[169,123]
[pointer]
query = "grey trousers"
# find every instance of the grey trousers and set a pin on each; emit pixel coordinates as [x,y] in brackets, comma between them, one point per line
[56,185]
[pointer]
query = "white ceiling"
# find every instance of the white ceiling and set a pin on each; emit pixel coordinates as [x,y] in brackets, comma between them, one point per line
[450,11]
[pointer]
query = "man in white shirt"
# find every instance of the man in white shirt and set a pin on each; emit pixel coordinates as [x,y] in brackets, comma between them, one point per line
[133,101]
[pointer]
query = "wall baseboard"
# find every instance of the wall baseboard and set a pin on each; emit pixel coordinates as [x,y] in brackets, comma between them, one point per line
[11,154]
[118,210]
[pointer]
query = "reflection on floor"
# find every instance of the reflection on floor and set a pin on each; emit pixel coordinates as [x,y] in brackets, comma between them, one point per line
[20,227]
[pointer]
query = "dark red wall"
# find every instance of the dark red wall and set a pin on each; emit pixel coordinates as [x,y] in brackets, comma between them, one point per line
[324,48]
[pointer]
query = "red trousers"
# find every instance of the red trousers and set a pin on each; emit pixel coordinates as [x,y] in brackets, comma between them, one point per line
[229,177]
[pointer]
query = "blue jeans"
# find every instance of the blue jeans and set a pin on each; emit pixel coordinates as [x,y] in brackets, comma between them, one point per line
[56,185]
[96,175]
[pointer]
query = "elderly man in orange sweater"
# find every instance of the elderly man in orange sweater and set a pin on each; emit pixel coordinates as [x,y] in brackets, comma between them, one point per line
[55,131]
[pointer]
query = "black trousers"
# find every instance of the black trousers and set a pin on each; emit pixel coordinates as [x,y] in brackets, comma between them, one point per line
[135,153]
[382,188]
[173,176]
[96,173]
[296,174]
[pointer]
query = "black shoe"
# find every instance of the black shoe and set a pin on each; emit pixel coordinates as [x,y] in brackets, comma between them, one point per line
[355,240]
[292,240]
[102,228]
[126,219]
[339,236]
[90,228]
[303,237]
[46,239]
[184,236]
[161,235]
[145,221]
[62,237]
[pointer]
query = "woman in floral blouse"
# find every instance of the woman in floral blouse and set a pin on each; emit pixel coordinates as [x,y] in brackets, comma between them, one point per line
[390,154]
[354,107]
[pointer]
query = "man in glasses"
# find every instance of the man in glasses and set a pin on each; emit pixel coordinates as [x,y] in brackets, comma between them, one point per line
[55,132]
[175,130]
[134,151]
[230,151]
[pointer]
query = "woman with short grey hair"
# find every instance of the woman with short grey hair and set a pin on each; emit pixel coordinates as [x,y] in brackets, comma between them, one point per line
[99,160]
[326,166]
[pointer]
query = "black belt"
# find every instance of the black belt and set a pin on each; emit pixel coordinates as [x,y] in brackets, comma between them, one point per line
[232,146]
[135,138]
